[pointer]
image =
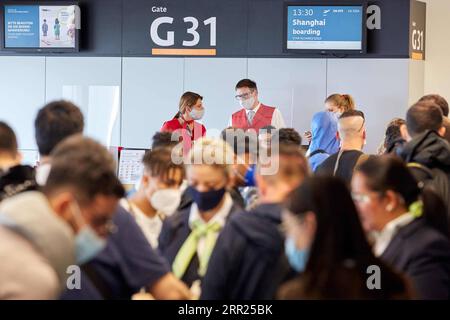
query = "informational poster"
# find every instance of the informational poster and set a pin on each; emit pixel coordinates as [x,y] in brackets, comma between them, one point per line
[325,27]
[418,30]
[130,165]
[34,26]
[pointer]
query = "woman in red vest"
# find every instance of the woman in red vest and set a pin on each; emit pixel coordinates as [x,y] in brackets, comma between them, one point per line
[185,121]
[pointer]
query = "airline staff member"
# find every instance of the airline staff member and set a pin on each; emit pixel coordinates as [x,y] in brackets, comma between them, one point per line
[254,114]
[185,121]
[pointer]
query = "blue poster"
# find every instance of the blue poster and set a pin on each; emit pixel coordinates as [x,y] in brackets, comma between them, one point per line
[325,27]
[21,26]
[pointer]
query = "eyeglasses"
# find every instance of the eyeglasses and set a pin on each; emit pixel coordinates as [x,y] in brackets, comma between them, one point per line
[106,225]
[360,198]
[243,96]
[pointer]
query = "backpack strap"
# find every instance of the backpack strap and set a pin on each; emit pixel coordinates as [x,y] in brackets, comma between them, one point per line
[318,151]
[420,167]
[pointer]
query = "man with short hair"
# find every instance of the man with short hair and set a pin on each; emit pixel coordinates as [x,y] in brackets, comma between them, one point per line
[352,134]
[427,152]
[120,270]
[253,115]
[14,177]
[423,116]
[54,122]
[245,147]
[438,100]
[248,262]
[163,139]
[288,136]
[158,195]
[42,234]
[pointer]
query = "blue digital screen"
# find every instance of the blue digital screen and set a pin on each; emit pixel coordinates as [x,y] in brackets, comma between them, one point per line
[40,26]
[325,27]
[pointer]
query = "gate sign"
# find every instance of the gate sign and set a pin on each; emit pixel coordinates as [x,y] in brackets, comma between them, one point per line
[195,28]
[417,30]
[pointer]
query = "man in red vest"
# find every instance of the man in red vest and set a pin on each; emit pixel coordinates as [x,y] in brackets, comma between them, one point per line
[253,115]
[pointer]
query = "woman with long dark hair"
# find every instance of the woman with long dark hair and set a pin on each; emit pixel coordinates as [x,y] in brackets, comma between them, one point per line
[327,246]
[407,224]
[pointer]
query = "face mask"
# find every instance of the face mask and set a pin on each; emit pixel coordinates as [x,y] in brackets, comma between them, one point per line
[166,200]
[297,258]
[337,114]
[247,104]
[207,200]
[87,242]
[197,114]
[88,245]
[42,173]
[250,176]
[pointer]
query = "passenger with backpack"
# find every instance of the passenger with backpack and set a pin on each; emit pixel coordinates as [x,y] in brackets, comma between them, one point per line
[427,153]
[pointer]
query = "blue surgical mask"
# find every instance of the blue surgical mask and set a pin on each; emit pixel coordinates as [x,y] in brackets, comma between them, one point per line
[250,176]
[297,258]
[87,242]
[208,200]
[87,245]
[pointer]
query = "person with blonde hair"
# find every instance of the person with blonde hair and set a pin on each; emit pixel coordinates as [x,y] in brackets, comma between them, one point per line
[248,262]
[188,238]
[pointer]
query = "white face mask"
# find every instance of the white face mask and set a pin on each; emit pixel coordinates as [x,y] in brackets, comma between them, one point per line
[197,114]
[166,201]
[247,104]
[42,173]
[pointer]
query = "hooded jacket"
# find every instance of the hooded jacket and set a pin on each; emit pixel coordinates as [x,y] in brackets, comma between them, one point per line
[248,261]
[433,152]
[30,215]
[15,180]
[323,130]
[428,149]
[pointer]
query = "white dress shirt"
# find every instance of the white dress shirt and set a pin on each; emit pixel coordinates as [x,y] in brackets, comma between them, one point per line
[150,226]
[220,217]
[384,238]
[277,118]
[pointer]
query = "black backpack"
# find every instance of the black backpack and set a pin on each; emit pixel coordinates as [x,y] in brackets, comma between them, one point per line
[436,180]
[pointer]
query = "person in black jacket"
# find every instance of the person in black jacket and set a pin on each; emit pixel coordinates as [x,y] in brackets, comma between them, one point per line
[248,261]
[407,224]
[14,177]
[427,153]
[189,236]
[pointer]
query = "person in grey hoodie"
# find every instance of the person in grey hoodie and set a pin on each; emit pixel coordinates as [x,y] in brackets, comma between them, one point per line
[42,234]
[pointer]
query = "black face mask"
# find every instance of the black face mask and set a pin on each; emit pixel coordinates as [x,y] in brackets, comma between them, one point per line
[206,200]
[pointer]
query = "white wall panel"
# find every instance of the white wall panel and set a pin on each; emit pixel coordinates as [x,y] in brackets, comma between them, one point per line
[380,88]
[215,80]
[151,91]
[22,91]
[296,86]
[94,85]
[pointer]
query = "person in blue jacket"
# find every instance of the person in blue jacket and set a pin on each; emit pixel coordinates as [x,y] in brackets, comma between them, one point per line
[248,261]
[324,141]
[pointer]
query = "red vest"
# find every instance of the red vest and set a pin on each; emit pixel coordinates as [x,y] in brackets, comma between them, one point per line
[262,118]
[186,137]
